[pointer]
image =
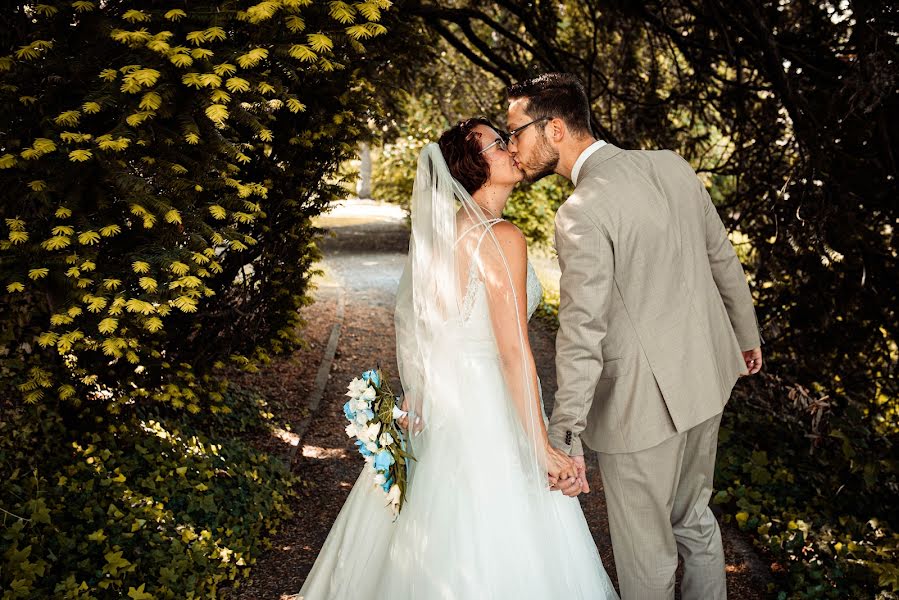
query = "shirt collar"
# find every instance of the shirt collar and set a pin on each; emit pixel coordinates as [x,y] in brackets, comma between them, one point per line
[589,150]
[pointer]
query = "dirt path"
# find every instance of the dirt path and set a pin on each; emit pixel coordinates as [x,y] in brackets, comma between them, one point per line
[364,258]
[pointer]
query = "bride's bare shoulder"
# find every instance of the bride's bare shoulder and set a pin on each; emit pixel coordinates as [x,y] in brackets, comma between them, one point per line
[509,234]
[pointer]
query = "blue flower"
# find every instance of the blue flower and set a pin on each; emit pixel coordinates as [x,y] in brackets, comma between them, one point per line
[348,412]
[387,484]
[368,413]
[362,449]
[372,376]
[383,460]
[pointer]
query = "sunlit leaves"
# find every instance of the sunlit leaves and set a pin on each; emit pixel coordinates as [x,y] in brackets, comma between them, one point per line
[181,60]
[295,23]
[295,106]
[39,148]
[175,14]
[135,16]
[252,58]
[224,69]
[69,118]
[80,155]
[57,242]
[342,12]
[151,101]
[217,113]
[179,268]
[237,84]
[320,42]
[132,38]
[302,52]
[33,50]
[135,305]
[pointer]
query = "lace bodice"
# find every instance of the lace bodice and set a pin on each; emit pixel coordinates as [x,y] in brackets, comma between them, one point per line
[476,291]
[535,290]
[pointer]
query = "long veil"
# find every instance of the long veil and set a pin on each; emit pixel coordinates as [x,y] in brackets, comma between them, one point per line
[451,238]
[452,234]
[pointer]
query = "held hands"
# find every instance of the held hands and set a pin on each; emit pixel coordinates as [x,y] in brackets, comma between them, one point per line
[753,360]
[573,486]
[565,473]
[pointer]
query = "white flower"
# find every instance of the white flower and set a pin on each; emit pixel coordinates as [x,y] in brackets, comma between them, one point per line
[351,430]
[393,497]
[361,420]
[398,413]
[371,432]
[368,394]
[356,388]
[357,404]
[379,479]
[386,439]
[372,447]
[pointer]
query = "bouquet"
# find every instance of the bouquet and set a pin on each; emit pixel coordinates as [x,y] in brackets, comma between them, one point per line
[372,413]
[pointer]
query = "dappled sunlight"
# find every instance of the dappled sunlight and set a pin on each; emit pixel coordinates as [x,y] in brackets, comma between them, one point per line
[323,453]
[288,437]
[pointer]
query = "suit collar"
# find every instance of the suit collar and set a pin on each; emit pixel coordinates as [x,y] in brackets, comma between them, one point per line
[596,159]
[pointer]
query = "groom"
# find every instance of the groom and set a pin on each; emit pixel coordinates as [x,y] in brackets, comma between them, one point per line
[656,323]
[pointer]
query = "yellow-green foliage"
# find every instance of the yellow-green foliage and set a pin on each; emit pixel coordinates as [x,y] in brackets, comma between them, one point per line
[160,506]
[160,168]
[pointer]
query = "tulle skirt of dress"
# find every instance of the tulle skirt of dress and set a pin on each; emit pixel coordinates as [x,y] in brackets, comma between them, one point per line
[474,524]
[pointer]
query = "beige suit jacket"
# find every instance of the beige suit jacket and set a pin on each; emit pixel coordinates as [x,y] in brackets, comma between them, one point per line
[654,309]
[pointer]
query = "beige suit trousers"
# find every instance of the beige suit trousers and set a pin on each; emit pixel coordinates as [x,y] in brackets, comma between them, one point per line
[658,501]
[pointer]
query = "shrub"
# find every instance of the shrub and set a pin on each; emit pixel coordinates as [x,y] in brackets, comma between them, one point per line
[160,168]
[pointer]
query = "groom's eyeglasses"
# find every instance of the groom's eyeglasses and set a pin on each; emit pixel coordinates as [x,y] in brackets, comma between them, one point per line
[517,130]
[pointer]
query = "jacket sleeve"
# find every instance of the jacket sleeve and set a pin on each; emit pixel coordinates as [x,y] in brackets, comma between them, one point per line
[588,265]
[729,276]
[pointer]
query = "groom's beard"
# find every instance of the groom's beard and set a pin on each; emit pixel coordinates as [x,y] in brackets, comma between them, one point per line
[545,161]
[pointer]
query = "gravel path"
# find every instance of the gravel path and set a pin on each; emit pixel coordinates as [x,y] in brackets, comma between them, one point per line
[364,256]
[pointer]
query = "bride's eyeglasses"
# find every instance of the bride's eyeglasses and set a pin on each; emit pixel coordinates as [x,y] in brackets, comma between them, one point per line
[500,142]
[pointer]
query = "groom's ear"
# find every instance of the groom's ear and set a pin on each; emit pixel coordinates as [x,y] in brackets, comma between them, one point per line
[557,130]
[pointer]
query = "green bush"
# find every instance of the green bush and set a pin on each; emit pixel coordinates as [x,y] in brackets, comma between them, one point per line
[815,493]
[150,506]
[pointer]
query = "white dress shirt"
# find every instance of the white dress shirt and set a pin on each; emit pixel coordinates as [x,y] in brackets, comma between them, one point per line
[576,169]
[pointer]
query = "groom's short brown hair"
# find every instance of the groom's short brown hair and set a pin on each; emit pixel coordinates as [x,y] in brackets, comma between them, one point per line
[556,95]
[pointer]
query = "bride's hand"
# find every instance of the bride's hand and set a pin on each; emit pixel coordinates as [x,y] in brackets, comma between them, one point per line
[403,421]
[559,466]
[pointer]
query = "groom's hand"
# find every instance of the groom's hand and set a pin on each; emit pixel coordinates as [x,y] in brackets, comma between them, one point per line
[574,486]
[753,360]
[581,465]
[559,466]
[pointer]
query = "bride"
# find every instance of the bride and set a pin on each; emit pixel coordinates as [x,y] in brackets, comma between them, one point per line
[480,520]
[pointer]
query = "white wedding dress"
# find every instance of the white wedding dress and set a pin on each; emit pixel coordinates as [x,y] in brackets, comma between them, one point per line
[474,525]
